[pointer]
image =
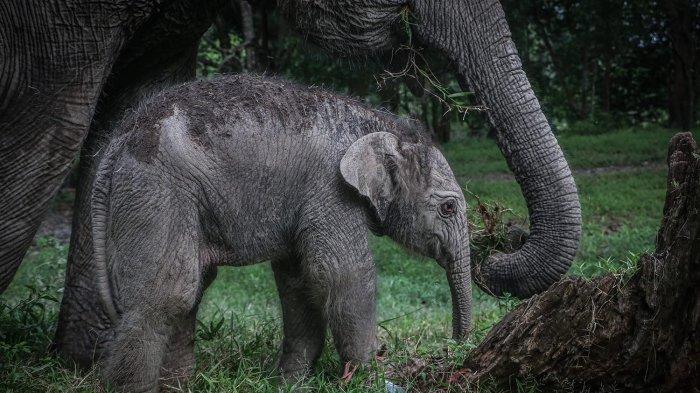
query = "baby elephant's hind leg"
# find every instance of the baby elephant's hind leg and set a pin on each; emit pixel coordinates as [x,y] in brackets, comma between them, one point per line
[151,348]
[179,361]
[136,353]
[154,337]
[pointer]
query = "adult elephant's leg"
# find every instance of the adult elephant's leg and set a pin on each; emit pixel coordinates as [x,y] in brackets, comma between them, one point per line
[82,328]
[162,56]
[53,61]
[303,322]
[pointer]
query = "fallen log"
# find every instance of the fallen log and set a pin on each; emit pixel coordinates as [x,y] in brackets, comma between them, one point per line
[620,332]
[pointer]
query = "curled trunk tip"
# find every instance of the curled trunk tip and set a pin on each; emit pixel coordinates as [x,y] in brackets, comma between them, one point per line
[478,41]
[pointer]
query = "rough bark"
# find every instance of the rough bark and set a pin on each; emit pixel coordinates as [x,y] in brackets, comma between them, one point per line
[624,332]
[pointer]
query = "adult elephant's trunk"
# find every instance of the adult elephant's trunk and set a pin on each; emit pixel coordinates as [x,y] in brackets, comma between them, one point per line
[475,36]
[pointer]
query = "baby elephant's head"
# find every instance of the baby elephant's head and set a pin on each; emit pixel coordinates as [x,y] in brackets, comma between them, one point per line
[419,204]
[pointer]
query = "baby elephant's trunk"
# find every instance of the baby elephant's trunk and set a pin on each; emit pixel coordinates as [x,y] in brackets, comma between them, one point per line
[459,278]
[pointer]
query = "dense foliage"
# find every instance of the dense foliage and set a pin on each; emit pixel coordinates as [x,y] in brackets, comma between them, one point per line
[603,60]
[595,64]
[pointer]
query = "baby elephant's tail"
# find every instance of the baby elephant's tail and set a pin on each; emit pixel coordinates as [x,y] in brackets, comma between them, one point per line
[99,213]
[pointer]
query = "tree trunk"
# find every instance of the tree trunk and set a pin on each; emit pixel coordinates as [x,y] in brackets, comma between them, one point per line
[635,333]
[583,108]
[607,83]
[441,122]
[620,332]
[681,96]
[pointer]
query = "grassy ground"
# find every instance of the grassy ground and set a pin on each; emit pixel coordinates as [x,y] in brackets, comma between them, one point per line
[239,327]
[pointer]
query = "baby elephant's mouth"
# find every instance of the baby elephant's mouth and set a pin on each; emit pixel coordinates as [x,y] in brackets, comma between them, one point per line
[437,250]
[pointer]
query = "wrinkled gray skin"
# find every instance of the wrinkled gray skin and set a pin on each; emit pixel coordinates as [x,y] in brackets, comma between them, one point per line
[72,67]
[199,177]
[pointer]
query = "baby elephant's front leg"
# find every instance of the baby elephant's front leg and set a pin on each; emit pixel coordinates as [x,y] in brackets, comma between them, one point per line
[348,290]
[352,319]
[303,322]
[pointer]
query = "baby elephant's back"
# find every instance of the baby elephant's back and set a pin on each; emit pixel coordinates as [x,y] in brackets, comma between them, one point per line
[206,111]
[246,136]
[246,113]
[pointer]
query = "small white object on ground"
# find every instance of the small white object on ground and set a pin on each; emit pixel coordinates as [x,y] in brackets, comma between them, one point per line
[392,388]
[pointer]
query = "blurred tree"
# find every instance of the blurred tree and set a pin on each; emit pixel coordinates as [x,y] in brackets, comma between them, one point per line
[596,59]
[684,18]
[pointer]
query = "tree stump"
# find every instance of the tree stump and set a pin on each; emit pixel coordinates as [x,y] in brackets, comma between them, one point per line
[633,332]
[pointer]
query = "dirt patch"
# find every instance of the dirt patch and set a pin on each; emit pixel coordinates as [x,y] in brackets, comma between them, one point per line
[647,166]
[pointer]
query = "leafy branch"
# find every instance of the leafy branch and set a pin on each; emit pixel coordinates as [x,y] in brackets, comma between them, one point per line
[425,77]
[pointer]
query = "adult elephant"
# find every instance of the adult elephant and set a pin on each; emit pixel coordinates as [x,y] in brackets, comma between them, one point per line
[71,68]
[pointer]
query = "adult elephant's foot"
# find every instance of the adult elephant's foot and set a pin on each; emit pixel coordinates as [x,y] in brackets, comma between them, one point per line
[83,330]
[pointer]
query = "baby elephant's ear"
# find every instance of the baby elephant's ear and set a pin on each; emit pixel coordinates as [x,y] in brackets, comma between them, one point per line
[368,165]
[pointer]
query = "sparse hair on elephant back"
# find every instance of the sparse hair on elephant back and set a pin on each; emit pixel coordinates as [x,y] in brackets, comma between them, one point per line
[207,103]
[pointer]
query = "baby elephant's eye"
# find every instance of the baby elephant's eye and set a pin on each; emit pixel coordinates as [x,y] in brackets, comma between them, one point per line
[448,208]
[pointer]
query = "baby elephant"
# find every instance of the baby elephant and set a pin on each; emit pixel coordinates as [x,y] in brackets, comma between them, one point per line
[243,169]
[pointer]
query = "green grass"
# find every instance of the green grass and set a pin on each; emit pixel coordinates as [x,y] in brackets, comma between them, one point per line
[239,328]
[628,146]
